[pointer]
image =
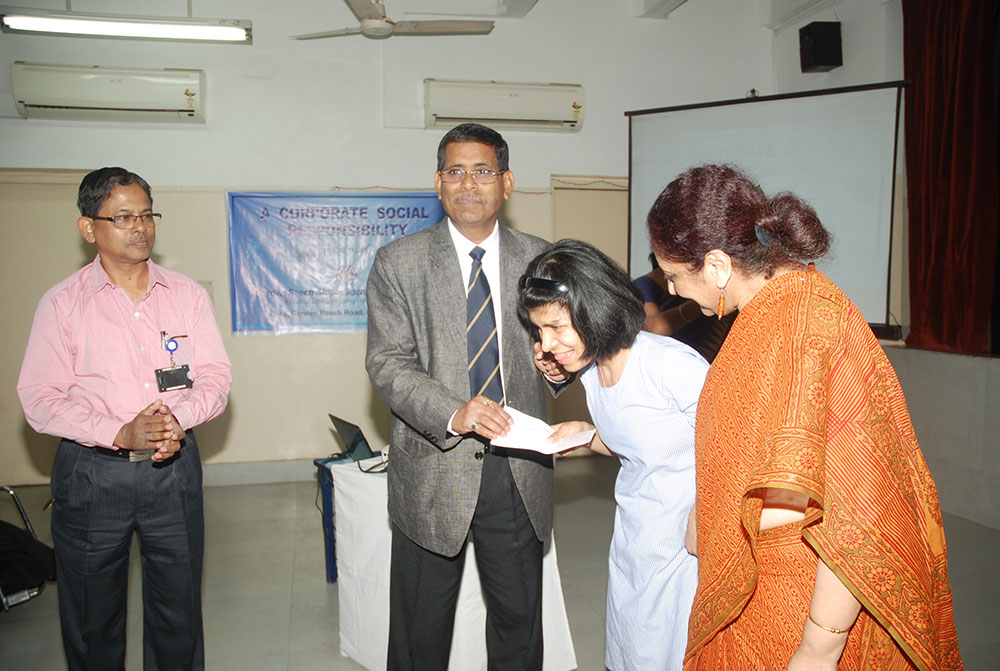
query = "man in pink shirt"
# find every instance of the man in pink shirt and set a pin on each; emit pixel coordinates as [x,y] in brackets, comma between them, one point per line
[123,360]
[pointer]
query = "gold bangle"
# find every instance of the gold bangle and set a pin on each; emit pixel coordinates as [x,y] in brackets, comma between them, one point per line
[832,630]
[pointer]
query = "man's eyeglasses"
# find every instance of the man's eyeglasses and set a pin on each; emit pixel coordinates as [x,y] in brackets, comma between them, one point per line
[130,220]
[479,175]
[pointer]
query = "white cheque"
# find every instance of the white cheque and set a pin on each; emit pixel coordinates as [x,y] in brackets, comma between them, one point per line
[531,433]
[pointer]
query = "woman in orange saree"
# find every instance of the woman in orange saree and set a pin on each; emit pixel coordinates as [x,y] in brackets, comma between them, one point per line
[819,535]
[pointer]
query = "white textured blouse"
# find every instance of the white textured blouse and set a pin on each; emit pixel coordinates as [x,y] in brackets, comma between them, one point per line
[647,419]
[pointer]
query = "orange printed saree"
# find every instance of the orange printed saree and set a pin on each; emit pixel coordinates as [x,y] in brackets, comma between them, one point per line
[802,397]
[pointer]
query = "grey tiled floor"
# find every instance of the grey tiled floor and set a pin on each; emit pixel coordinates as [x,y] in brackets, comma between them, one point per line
[268,606]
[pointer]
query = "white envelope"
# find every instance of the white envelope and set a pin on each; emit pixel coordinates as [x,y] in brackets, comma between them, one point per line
[531,433]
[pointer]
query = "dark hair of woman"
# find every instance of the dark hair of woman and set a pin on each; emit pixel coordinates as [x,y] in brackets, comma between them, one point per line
[719,207]
[96,188]
[605,307]
[474,132]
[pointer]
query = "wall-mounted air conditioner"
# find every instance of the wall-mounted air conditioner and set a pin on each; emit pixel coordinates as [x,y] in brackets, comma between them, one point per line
[503,105]
[95,93]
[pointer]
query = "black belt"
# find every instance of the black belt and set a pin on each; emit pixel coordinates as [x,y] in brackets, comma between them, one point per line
[103,451]
[130,455]
[118,454]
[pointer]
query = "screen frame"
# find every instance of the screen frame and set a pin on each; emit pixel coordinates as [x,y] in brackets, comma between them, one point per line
[883,329]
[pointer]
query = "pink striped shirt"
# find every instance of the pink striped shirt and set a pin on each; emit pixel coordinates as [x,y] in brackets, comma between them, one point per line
[91,356]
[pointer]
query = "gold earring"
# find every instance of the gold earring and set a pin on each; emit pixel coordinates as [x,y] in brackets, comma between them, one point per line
[722,302]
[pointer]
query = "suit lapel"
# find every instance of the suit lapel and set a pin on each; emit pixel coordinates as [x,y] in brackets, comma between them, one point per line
[448,290]
[512,265]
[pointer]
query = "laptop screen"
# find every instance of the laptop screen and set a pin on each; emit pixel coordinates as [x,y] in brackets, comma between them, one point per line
[354,440]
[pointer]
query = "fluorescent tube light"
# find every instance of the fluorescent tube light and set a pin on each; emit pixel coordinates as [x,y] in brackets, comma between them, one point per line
[106,25]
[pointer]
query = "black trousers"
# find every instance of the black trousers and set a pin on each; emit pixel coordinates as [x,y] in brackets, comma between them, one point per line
[423,586]
[100,500]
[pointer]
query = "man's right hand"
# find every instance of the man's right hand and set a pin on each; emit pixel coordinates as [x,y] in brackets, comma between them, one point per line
[153,428]
[483,416]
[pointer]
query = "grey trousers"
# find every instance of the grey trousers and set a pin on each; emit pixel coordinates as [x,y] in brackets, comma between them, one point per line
[101,499]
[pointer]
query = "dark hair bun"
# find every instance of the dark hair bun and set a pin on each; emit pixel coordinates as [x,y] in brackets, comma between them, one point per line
[795,228]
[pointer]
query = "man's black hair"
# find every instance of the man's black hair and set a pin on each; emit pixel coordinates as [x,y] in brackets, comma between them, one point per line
[96,188]
[474,132]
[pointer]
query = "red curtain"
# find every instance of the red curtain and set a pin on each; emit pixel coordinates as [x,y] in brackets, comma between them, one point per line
[951,169]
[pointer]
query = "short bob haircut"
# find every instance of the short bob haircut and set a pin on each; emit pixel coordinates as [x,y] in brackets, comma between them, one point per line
[474,132]
[96,188]
[605,307]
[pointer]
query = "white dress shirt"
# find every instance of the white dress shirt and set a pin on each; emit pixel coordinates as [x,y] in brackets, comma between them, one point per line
[491,266]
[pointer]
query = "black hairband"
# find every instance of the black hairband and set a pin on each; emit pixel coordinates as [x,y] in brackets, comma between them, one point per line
[528,282]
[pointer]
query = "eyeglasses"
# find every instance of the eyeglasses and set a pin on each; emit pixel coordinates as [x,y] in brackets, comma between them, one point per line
[479,175]
[130,220]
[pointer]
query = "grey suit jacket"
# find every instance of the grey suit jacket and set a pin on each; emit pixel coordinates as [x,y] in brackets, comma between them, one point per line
[418,363]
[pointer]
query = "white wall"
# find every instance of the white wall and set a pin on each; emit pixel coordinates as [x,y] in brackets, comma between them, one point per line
[953,401]
[871,34]
[295,113]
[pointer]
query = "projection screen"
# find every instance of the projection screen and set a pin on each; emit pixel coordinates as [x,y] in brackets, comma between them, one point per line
[835,148]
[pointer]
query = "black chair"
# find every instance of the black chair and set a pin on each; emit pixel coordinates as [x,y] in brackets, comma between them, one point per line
[25,562]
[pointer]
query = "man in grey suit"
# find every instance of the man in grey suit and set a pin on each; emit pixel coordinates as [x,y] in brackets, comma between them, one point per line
[429,293]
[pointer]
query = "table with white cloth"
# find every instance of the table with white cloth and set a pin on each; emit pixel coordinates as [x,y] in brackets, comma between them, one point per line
[363,542]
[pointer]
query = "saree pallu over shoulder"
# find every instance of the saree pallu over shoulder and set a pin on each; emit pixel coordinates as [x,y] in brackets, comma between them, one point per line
[802,397]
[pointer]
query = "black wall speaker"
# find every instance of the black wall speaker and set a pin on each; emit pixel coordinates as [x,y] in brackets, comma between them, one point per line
[819,46]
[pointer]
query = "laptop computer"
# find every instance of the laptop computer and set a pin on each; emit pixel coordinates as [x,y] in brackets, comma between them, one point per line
[355,443]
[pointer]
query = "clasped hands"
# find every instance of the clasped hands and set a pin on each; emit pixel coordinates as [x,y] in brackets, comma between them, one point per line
[154,428]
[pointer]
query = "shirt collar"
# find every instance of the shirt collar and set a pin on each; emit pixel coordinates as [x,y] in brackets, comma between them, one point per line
[463,245]
[97,277]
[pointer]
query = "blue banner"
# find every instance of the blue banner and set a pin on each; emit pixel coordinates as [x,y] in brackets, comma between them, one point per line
[299,262]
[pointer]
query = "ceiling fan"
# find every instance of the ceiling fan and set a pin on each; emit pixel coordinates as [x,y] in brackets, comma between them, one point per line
[375,24]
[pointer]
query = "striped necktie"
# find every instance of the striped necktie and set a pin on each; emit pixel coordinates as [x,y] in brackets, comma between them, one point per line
[481,331]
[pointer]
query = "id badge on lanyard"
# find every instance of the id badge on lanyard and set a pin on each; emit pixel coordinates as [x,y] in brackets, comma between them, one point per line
[173,376]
